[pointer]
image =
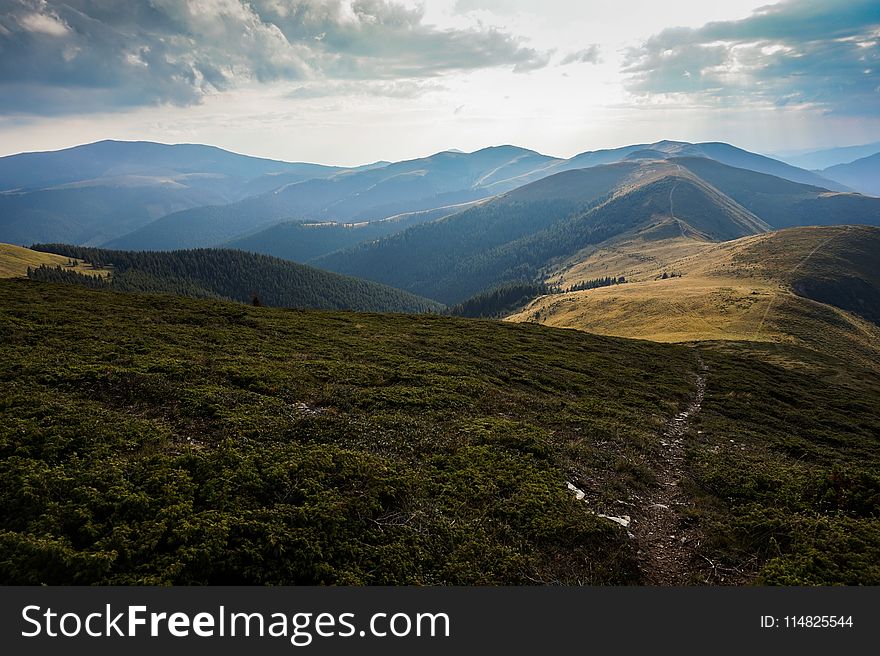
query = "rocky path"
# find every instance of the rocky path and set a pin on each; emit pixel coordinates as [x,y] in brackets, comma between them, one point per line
[666,543]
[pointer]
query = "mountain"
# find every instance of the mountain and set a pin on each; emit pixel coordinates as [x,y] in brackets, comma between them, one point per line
[94,193]
[814,287]
[202,442]
[816,160]
[720,152]
[427,183]
[303,242]
[514,237]
[198,165]
[150,196]
[230,275]
[782,203]
[862,175]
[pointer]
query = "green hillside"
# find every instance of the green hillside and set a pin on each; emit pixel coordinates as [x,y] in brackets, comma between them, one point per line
[513,238]
[208,442]
[232,275]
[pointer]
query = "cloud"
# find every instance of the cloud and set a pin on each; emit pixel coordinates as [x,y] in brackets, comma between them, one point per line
[810,53]
[365,88]
[74,56]
[589,55]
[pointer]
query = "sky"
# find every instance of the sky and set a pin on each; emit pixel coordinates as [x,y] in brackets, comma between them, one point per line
[354,81]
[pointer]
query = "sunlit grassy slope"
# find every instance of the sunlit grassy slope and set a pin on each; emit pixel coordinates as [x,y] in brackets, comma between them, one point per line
[15,260]
[789,286]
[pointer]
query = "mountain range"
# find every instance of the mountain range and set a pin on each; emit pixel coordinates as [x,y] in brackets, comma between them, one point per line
[149,196]
[683,390]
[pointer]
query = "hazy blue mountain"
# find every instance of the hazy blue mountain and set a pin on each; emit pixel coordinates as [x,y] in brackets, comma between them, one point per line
[782,203]
[93,193]
[862,175]
[818,160]
[721,152]
[302,242]
[426,183]
[512,237]
[193,164]
[90,214]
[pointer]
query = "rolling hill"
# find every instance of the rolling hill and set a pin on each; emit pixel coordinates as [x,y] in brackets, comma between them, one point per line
[302,242]
[817,160]
[815,287]
[16,260]
[231,275]
[720,152]
[202,442]
[862,175]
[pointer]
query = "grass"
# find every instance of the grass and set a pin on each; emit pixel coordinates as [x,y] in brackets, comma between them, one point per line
[161,440]
[15,260]
[750,289]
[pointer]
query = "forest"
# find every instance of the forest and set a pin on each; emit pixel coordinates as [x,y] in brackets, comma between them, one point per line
[232,275]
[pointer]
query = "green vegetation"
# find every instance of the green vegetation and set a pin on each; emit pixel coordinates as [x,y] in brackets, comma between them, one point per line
[786,468]
[200,441]
[208,442]
[499,302]
[504,300]
[232,275]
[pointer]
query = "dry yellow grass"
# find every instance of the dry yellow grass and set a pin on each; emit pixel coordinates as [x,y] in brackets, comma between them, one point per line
[15,260]
[719,296]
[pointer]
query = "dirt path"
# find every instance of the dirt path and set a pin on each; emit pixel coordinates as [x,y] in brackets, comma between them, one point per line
[666,544]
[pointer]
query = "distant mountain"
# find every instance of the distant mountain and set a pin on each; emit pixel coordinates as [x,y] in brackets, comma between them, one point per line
[721,152]
[302,242]
[232,275]
[512,238]
[206,166]
[822,159]
[782,203]
[862,175]
[516,236]
[149,196]
[422,184]
[94,193]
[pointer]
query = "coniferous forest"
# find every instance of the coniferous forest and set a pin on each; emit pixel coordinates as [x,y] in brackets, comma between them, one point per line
[231,275]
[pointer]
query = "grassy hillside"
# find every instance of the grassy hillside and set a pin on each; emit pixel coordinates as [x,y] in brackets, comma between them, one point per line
[790,286]
[202,442]
[207,442]
[234,275]
[514,237]
[16,260]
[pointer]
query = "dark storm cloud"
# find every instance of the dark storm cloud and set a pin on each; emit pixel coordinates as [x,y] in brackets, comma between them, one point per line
[821,53]
[86,55]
